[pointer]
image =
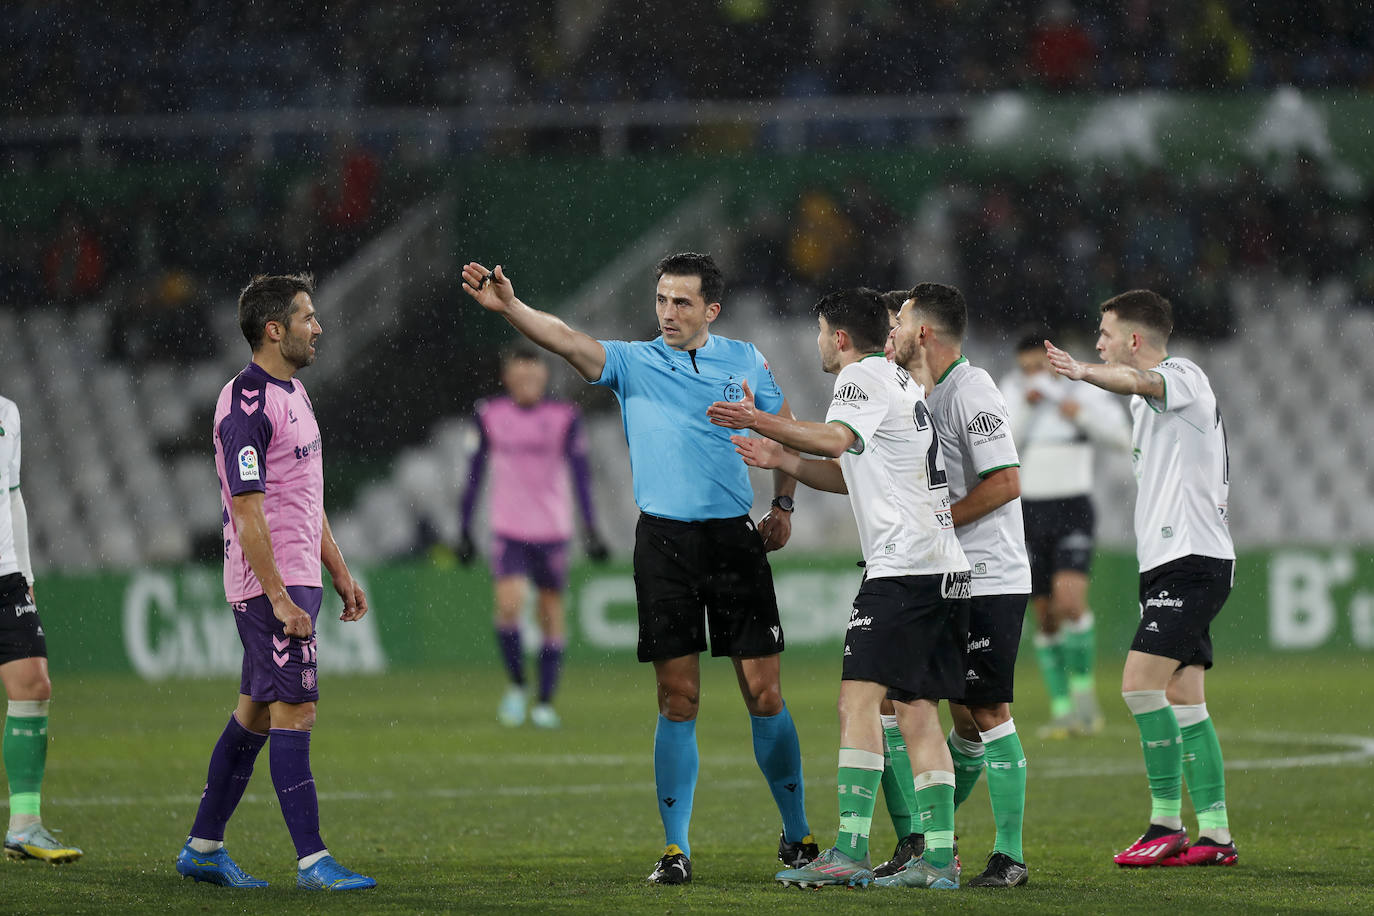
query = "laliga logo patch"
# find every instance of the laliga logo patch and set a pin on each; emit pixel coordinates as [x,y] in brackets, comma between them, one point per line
[248,463]
[733,391]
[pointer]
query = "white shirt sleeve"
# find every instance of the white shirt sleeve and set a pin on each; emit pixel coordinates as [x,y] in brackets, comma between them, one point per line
[860,402]
[985,428]
[1180,385]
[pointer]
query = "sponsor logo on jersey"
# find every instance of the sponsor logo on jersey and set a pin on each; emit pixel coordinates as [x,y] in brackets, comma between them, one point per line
[980,568]
[305,451]
[985,424]
[849,393]
[732,391]
[1166,532]
[1163,600]
[248,464]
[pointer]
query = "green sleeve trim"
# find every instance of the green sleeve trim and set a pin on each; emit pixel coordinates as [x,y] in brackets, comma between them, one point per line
[858,438]
[1151,401]
[959,361]
[871,355]
[13,488]
[1000,467]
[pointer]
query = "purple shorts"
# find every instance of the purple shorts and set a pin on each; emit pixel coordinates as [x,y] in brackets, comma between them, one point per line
[277,667]
[546,565]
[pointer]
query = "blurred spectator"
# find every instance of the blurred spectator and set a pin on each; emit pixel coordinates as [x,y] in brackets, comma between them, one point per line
[1061,50]
[73,259]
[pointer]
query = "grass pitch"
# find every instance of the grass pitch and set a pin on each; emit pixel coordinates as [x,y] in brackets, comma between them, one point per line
[422,789]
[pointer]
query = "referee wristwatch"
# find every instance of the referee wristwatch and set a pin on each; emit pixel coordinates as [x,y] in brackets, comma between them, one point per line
[784,503]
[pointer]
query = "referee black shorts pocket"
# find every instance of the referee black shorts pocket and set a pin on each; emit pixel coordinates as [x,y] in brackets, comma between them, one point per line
[694,579]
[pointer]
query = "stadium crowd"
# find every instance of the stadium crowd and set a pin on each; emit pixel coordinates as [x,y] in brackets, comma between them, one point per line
[1046,246]
[199,55]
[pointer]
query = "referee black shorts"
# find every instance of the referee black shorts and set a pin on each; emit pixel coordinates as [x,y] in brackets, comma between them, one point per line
[21,632]
[1178,602]
[1059,536]
[698,578]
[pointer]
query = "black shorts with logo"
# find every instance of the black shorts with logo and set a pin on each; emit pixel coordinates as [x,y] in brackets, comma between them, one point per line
[712,576]
[21,632]
[906,633]
[1178,601]
[994,639]
[1059,536]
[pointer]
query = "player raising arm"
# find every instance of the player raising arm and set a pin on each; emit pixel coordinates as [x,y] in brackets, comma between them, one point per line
[1187,567]
[699,563]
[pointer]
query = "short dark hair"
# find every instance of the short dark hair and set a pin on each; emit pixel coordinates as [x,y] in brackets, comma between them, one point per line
[268,298]
[1031,338]
[694,264]
[945,304]
[860,312]
[894,299]
[520,351]
[1144,307]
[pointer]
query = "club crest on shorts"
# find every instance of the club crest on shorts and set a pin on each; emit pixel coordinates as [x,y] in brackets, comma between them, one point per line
[308,678]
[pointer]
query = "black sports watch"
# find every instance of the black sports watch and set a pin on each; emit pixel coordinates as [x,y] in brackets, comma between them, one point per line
[784,503]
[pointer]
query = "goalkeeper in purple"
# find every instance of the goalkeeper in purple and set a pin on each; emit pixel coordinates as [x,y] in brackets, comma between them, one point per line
[276,536]
[536,453]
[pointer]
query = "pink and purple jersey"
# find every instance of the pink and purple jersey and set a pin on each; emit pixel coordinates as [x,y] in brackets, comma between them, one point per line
[267,440]
[536,454]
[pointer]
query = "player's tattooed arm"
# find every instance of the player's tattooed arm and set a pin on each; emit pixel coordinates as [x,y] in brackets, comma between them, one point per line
[1115,378]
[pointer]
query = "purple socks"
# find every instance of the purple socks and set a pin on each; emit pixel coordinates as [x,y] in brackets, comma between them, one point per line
[300,807]
[512,653]
[550,663]
[231,766]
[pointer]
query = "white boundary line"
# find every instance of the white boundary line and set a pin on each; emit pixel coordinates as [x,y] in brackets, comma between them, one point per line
[1356,750]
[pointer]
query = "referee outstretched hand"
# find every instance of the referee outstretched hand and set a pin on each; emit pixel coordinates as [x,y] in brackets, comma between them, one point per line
[490,288]
[734,414]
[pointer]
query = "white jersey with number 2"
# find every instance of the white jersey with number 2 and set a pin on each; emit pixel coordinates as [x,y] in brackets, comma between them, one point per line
[894,472]
[1182,469]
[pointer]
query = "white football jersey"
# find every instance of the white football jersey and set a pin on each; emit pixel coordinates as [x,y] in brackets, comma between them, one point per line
[1056,452]
[975,436]
[1181,468]
[9,481]
[894,472]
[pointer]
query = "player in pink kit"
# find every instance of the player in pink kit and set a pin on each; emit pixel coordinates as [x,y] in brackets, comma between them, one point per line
[276,535]
[537,455]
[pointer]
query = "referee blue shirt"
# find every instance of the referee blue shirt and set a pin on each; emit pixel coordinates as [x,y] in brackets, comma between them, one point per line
[684,466]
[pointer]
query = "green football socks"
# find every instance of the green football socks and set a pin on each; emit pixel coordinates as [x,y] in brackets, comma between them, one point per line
[968,764]
[1162,743]
[1006,766]
[1079,645]
[860,773]
[25,754]
[898,791]
[1204,773]
[1049,652]
[935,802]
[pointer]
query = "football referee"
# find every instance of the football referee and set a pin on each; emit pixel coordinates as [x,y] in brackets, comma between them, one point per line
[700,563]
